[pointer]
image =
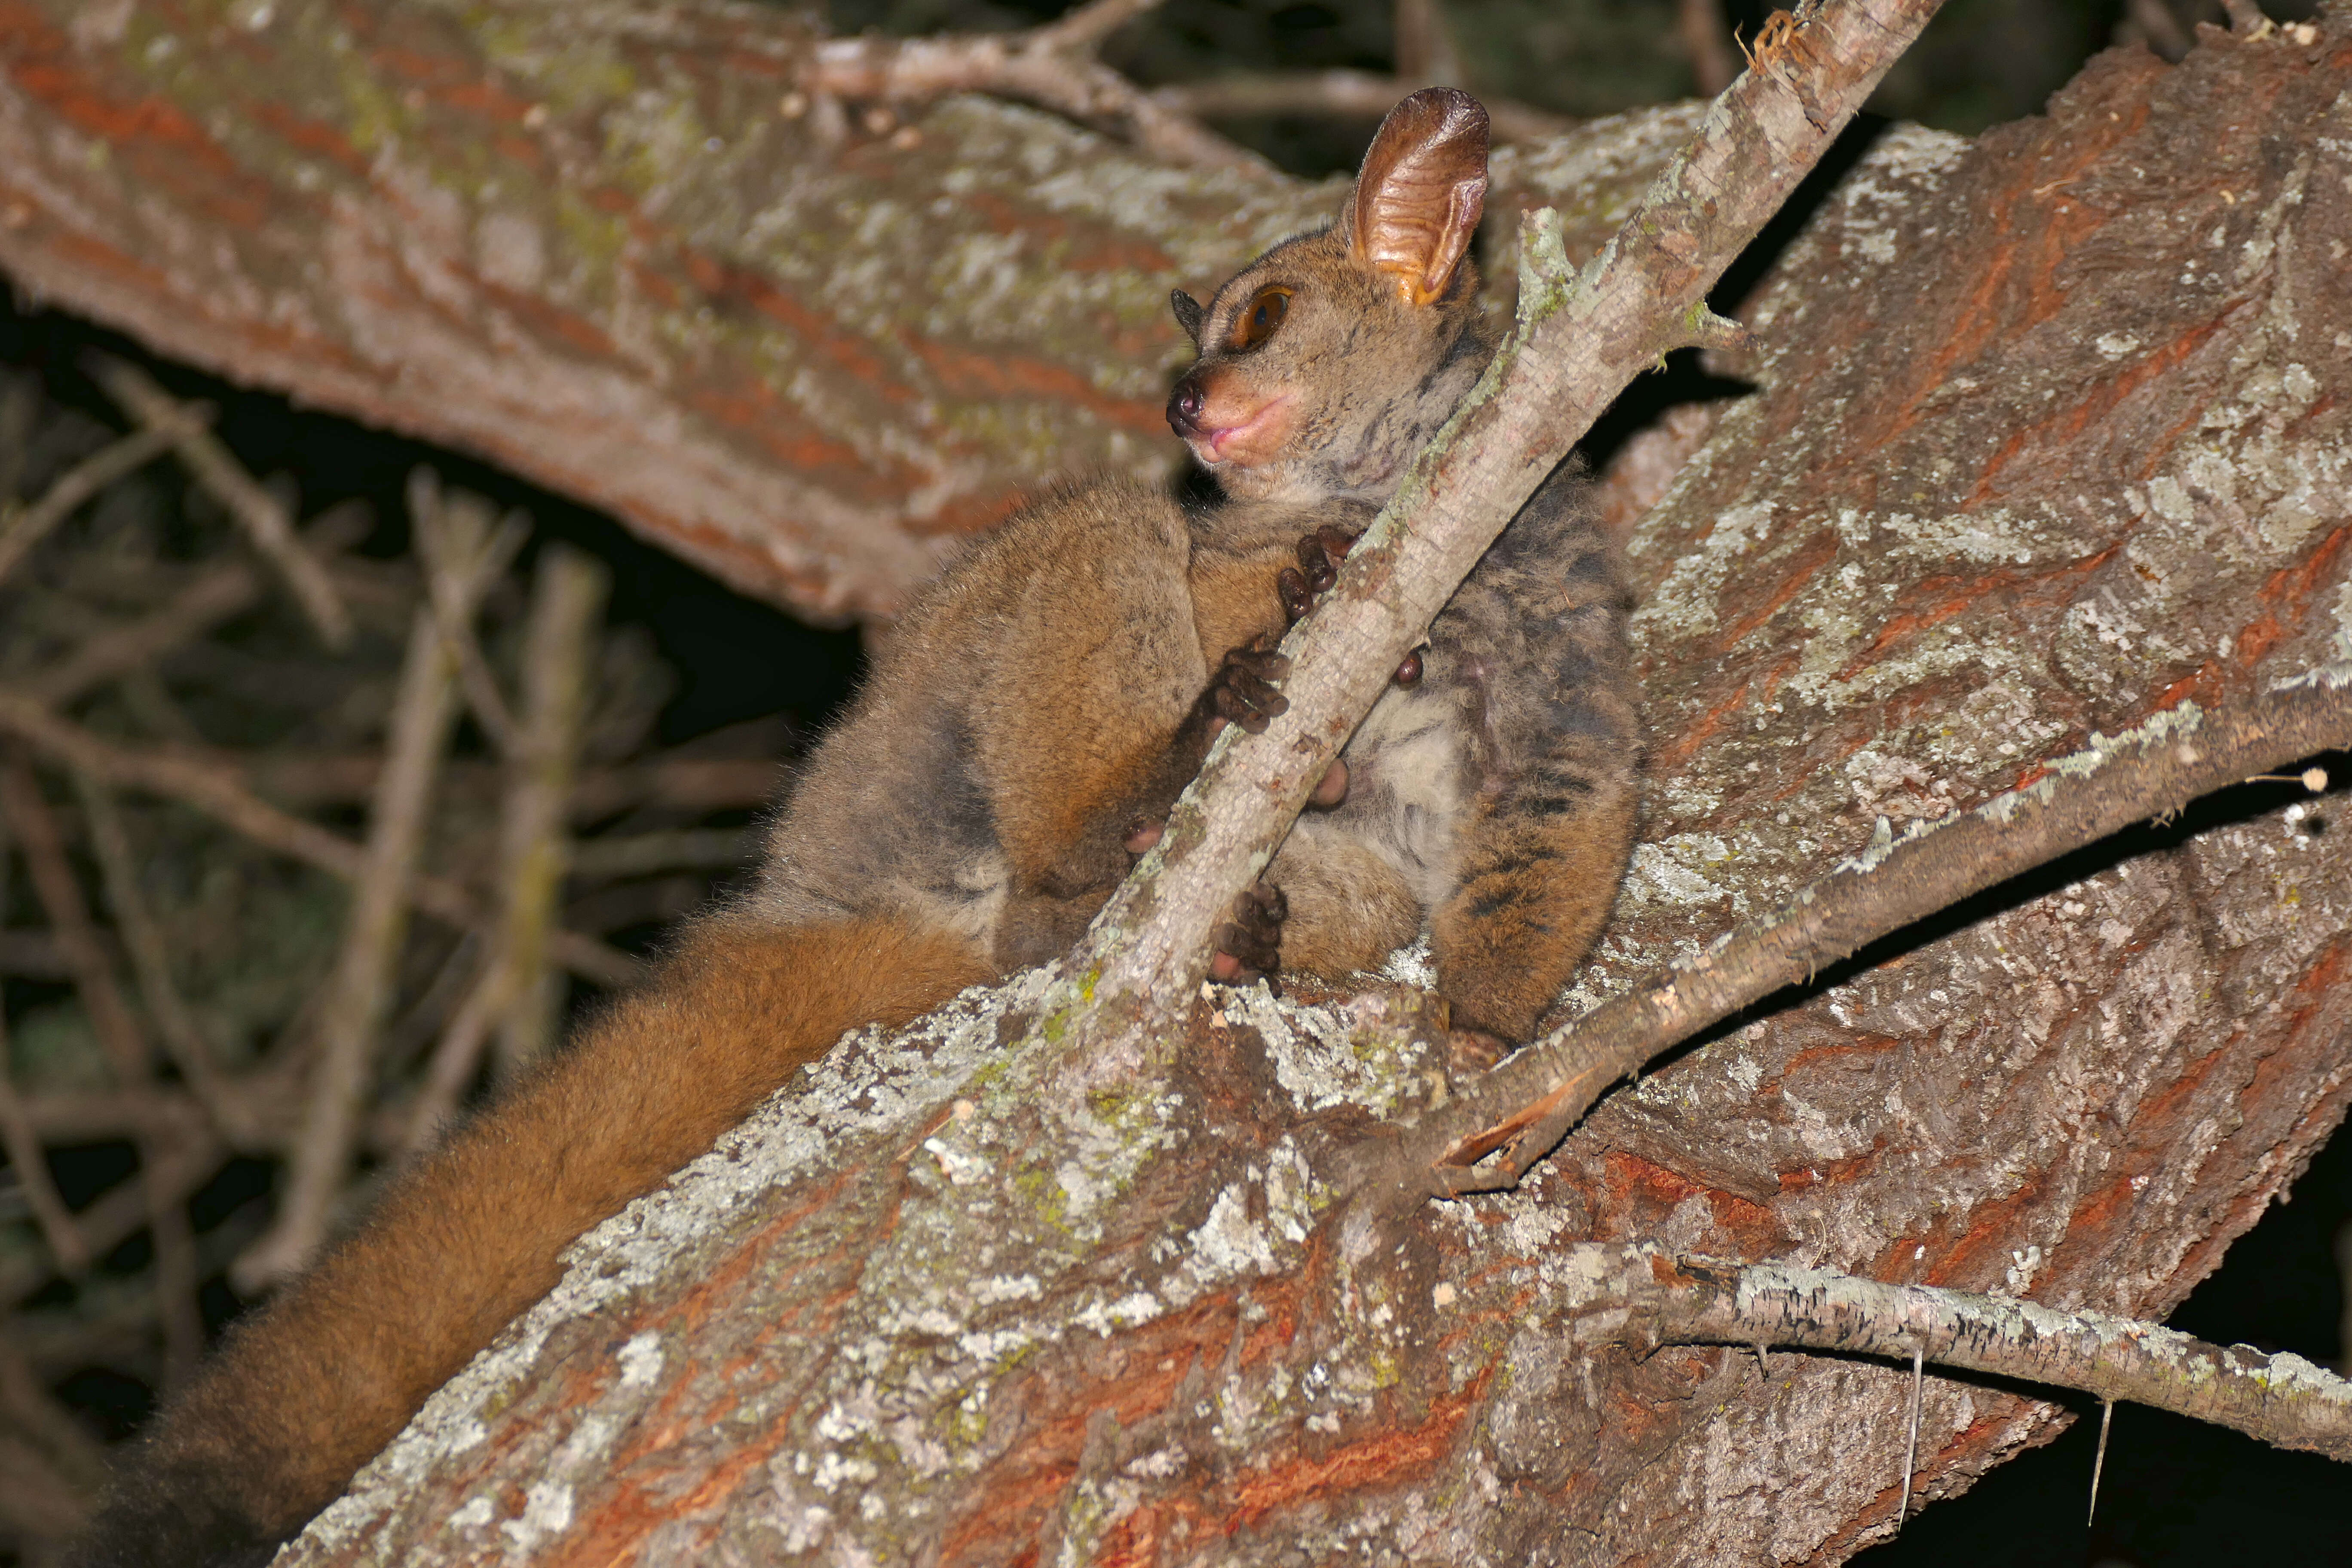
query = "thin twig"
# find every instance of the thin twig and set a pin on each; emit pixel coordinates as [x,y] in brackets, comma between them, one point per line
[20,410]
[217,594]
[1579,340]
[376,929]
[1423,47]
[1707,43]
[449,568]
[30,1162]
[457,1057]
[534,840]
[1351,93]
[263,516]
[644,854]
[219,791]
[1052,66]
[2246,19]
[2099,1459]
[151,969]
[1641,1295]
[187,1162]
[1088,26]
[2163,29]
[20,530]
[1525,1106]
[119,1034]
[177,1275]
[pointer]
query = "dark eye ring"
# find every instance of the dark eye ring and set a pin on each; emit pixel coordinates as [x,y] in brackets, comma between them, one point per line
[1258,322]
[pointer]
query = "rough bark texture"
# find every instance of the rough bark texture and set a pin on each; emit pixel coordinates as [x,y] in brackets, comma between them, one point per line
[2050,433]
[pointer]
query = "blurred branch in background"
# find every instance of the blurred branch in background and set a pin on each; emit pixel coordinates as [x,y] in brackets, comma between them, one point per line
[201,964]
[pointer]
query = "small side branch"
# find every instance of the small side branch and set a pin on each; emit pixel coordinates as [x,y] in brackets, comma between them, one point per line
[1348,93]
[1054,67]
[358,992]
[219,793]
[2282,1399]
[22,529]
[1522,1108]
[264,519]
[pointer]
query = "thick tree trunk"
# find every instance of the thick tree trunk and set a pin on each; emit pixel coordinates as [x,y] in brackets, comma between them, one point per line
[2050,433]
[588,242]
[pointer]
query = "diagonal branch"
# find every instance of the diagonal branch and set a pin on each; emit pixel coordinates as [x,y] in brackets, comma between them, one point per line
[220,792]
[1579,342]
[1641,1296]
[1054,67]
[1526,1105]
[265,519]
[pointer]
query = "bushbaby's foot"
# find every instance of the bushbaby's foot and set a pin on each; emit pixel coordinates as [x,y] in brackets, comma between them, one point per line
[1469,1052]
[1250,945]
[1243,691]
[1320,554]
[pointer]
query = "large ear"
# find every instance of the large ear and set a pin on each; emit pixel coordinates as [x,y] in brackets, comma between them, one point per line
[1422,186]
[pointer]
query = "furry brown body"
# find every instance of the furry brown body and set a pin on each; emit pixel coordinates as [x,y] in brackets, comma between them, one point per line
[978,804]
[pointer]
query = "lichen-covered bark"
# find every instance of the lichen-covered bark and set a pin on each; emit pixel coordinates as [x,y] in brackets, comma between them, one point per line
[2050,431]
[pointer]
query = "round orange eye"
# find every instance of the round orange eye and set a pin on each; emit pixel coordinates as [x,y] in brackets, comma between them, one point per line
[1256,324]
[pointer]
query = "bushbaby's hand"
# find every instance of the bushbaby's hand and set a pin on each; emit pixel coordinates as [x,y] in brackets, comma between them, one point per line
[1243,692]
[1320,554]
[1250,945]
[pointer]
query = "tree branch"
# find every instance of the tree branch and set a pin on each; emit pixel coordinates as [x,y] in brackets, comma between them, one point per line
[1052,67]
[1361,94]
[264,517]
[1578,343]
[375,929]
[2281,1399]
[221,794]
[1527,1104]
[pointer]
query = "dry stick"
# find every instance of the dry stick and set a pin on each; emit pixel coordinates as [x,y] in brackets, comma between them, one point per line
[1578,343]
[534,841]
[1424,48]
[178,1275]
[215,596]
[643,854]
[1052,66]
[151,967]
[2165,34]
[20,410]
[515,993]
[1527,1104]
[264,519]
[1639,1294]
[187,1162]
[1707,44]
[24,529]
[1352,93]
[424,713]
[446,573]
[2246,19]
[22,1141]
[119,1036]
[218,790]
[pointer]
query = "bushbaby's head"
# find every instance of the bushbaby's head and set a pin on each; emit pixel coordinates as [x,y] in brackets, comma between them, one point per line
[1327,361]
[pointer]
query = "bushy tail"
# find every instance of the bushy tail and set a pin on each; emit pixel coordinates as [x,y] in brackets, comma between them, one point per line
[306,1391]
